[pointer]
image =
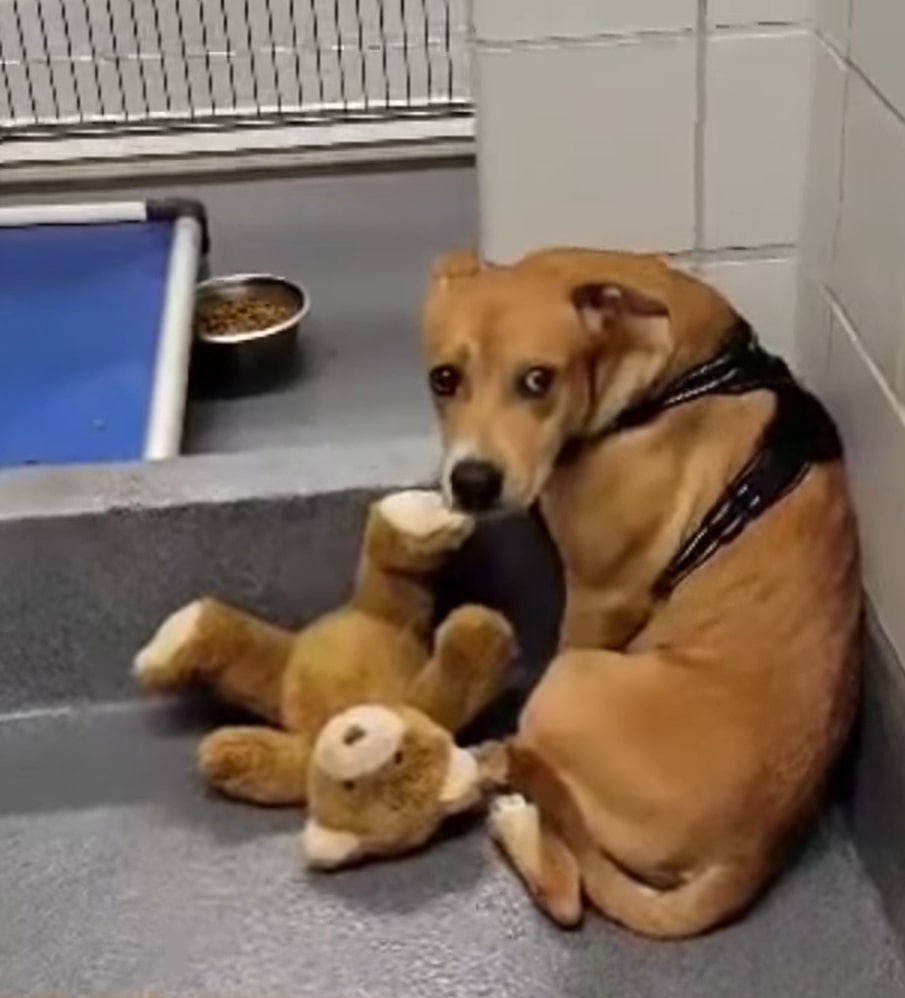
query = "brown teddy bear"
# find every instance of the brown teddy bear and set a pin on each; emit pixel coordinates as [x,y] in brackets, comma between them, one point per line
[361,704]
[383,779]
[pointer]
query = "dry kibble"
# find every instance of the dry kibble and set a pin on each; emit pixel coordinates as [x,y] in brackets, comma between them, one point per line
[246,315]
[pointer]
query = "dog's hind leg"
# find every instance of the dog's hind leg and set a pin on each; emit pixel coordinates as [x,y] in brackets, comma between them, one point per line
[543,861]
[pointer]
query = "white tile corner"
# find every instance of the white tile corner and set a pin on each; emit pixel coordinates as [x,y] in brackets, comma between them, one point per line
[831,20]
[874,435]
[869,260]
[822,186]
[813,328]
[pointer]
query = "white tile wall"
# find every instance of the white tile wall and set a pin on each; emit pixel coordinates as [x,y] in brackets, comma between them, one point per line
[530,20]
[723,13]
[758,102]
[763,291]
[878,46]
[874,432]
[562,161]
[813,321]
[860,296]
[869,269]
[821,192]
[832,21]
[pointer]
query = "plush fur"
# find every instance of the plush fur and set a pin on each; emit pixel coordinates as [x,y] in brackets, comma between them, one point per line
[366,676]
[675,747]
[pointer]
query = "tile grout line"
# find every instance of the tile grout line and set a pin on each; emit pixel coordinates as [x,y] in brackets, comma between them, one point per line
[840,198]
[853,67]
[600,38]
[642,35]
[850,330]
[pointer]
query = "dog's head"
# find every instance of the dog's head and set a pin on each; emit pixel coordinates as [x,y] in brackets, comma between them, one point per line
[522,359]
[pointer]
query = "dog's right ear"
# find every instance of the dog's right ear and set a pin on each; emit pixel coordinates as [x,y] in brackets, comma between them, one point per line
[454,266]
[601,304]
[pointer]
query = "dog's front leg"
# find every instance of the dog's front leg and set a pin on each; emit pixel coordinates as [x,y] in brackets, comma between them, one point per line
[601,619]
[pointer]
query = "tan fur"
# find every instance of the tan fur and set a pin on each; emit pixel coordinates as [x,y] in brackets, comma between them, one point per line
[398,807]
[676,748]
[378,649]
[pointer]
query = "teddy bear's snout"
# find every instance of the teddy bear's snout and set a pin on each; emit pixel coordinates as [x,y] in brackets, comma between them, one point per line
[359,742]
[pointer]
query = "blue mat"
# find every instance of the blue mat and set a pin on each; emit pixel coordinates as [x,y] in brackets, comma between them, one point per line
[80,314]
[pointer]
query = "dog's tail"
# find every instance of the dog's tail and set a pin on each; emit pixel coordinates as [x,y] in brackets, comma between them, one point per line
[704,900]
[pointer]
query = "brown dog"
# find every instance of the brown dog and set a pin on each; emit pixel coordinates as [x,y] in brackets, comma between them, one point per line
[685,732]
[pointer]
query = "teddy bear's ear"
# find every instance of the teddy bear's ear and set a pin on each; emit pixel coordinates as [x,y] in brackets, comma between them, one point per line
[462,787]
[327,849]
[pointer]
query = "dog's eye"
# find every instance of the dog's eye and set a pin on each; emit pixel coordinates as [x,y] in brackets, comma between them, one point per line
[536,382]
[445,380]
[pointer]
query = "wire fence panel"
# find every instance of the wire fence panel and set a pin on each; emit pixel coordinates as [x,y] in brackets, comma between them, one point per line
[76,66]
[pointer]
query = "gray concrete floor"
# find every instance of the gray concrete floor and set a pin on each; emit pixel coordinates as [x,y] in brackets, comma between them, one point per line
[362,245]
[119,875]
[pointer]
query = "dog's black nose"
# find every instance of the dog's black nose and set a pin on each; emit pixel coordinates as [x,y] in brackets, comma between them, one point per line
[476,485]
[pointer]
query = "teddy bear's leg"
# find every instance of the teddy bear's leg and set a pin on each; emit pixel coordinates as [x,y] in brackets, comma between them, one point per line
[473,649]
[240,657]
[407,537]
[258,765]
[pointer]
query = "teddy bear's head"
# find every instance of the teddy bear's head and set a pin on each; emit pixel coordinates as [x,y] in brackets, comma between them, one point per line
[382,780]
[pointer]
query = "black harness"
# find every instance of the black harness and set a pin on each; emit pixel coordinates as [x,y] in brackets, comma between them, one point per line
[800,434]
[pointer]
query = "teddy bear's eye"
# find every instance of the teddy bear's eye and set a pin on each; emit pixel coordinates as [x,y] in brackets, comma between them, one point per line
[349,785]
[398,758]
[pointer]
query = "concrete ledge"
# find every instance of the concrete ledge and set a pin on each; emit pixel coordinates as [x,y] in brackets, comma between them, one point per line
[39,493]
[92,559]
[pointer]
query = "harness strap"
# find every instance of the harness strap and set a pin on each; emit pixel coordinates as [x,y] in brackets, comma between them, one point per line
[800,434]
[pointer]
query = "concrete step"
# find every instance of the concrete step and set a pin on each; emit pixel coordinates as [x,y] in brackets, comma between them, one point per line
[119,874]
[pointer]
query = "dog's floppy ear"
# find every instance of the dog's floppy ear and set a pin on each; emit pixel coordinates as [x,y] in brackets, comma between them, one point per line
[454,266]
[600,305]
[630,341]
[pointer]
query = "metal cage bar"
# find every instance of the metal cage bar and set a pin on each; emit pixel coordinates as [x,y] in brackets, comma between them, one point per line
[82,67]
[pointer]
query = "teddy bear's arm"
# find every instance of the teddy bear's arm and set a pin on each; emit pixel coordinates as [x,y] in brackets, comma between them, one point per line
[473,650]
[258,765]
[407,537]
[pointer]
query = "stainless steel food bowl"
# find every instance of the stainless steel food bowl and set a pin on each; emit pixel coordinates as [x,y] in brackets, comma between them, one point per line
[249,360]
